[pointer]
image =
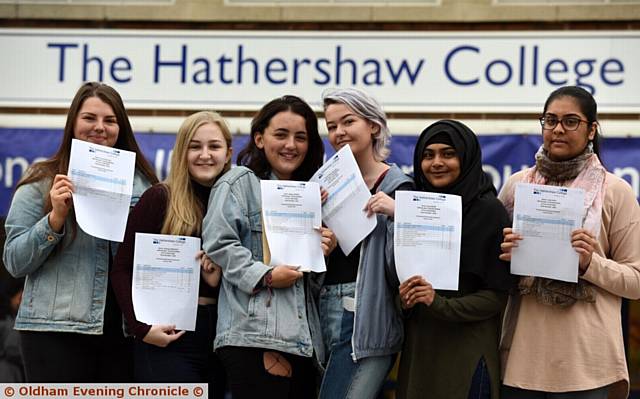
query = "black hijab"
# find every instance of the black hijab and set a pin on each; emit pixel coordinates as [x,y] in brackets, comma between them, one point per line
[483,216]
[473,181]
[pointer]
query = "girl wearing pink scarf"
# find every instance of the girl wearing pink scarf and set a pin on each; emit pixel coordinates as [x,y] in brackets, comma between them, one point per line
[559,339]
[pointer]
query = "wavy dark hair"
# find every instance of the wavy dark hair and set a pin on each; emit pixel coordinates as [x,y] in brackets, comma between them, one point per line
[255,159]
[59,163]
[587,105]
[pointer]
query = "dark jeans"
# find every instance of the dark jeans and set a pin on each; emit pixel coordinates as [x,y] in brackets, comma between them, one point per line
[71,357]
[248,379]
[480,383]
[188,359]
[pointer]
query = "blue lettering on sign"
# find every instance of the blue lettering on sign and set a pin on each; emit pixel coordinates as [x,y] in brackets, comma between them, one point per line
[86,59]
[119,68]
[181,64]
[507,69]
[243,68]
[61,65]
[447,65]
[274,66]
[551,68]
[459,64]
[617,68]
[120,65]
[202,75]
[324,72]
[463,65]
[242,61]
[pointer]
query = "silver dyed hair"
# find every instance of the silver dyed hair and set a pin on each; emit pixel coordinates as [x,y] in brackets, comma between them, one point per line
[367,107]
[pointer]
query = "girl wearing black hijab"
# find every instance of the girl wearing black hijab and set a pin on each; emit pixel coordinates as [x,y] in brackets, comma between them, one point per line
[451,343]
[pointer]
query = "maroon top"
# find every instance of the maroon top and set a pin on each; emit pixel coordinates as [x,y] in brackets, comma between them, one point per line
[147,217]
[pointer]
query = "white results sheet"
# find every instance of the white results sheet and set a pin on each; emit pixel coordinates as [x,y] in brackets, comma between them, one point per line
[103,181]
[343,211]
[427,231]
[545,216]
[291,215]
[166,278]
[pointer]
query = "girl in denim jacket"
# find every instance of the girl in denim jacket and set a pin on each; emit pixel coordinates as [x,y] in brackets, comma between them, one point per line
[69,322]
[267,330]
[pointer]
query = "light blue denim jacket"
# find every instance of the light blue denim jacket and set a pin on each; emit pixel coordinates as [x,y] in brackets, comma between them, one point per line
[65,288]
[232,238]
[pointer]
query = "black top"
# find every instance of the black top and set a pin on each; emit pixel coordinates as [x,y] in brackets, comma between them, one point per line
[341,268]
[147,217]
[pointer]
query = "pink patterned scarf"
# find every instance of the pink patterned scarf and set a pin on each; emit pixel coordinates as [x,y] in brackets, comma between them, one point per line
[586,172]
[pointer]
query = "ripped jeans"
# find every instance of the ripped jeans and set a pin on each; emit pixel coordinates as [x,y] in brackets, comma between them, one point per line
[343,377]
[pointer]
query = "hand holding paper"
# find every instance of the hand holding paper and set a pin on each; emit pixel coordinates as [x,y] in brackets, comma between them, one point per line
[291,221]
[584,242]
[61,201]
[416,290]
[103,181]
[284,276]
[427,231]
[545,216]
[162,335]
[166,277]
[381,203]
[344,210]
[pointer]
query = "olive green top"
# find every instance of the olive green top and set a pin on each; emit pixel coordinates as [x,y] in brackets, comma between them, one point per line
[445,341]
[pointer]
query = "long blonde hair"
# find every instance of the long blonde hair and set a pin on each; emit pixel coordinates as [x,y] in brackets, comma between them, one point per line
[184,212]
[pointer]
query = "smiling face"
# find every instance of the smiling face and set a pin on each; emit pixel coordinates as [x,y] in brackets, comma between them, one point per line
[440,165]
[285,143]
[346,127]
[561,144]
[207,154]
[96,123]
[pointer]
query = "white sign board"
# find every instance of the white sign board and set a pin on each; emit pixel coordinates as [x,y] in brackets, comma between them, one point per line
[510,71]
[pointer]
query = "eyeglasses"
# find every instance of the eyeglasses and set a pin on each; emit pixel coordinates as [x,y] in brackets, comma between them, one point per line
[569,123]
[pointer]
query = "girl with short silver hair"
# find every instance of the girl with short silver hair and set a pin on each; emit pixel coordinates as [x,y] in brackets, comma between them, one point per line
[362,328]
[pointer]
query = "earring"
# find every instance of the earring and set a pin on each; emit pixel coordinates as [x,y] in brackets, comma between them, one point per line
[590,146]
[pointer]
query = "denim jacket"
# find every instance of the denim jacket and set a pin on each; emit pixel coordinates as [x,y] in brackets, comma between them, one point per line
[65,288]
[378,324]
[232,238]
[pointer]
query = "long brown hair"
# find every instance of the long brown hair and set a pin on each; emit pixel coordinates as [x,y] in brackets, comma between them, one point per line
[184,213]
[255,158]
[59,162]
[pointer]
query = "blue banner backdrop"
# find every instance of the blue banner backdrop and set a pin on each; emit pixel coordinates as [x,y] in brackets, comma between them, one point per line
[502,154]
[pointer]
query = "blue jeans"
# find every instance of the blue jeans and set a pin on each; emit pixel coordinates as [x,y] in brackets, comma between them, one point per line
[343,377]
[480,383]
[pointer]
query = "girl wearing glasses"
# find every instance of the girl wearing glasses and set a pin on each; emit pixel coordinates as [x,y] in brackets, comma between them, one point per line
[560,339]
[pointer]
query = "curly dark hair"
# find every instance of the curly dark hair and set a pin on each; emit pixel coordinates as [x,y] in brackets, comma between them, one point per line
[255,159]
